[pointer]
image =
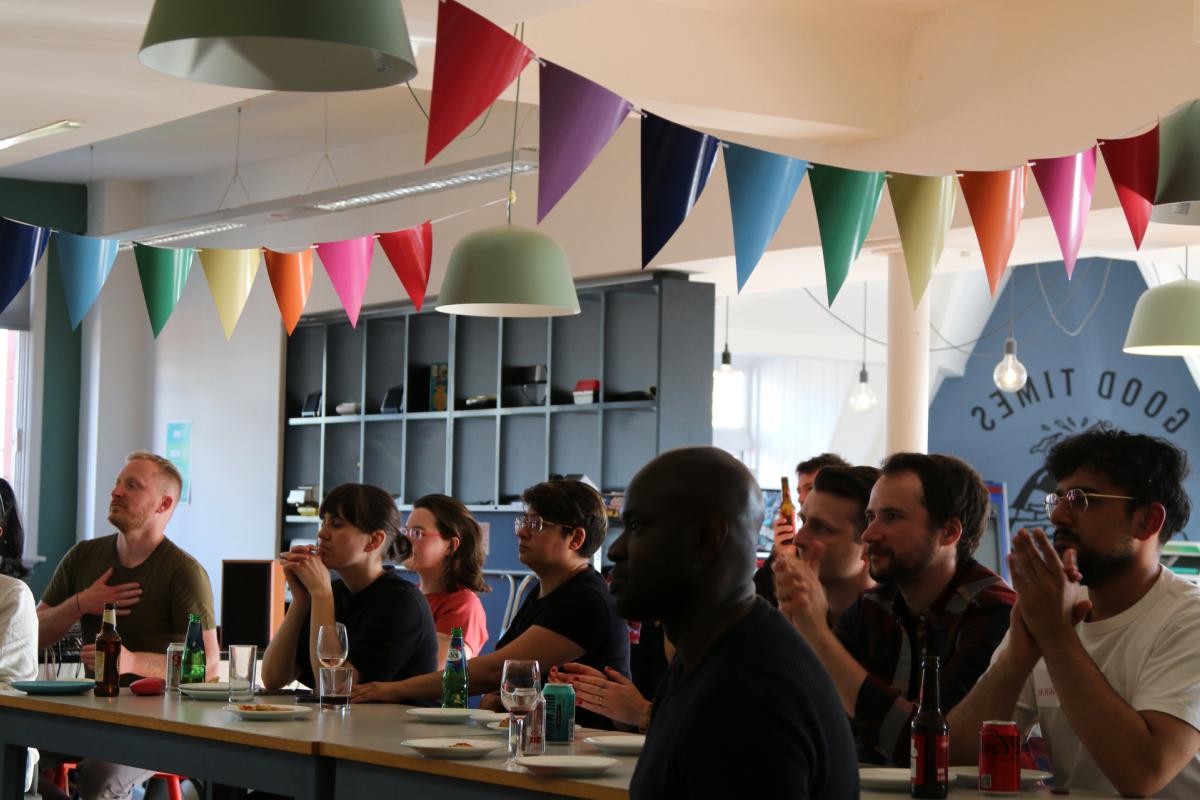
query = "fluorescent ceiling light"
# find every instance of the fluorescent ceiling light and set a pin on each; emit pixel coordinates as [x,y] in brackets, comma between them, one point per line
[452,181]
[192,234]
[62,126]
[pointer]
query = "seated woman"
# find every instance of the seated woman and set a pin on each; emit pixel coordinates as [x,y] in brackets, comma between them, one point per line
[18,619]
[447,554]
[387,620]
[568,616]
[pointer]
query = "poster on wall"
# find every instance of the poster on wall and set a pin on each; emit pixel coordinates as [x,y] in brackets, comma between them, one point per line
[179,453]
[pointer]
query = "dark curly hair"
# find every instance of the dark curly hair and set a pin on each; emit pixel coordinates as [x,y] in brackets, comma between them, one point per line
[369,508]
[821,462]
[464,564]
[12,543]
[1149,469]
[951,489]
[571,503]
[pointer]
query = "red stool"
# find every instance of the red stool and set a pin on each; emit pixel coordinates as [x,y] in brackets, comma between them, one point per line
[174,792]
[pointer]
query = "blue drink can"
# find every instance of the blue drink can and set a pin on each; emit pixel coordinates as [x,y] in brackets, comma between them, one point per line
[560,713]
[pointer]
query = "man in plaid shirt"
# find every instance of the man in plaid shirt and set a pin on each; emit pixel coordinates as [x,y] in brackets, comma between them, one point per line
[925,518]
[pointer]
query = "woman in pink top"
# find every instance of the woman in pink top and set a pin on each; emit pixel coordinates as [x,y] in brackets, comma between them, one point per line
[448,557]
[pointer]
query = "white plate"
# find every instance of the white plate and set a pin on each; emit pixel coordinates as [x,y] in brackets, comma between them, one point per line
[453,747]
[893,779]
[502,726]
[969,776]
[204,695]
[578,766]
[212,686]
[483,718]
[628,744]
[446,716]
[268,711]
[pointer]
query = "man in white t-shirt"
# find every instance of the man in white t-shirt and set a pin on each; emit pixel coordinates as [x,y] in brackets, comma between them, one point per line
[1113,673]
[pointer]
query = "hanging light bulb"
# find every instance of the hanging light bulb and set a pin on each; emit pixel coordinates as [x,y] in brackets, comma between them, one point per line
[862,399]
[729,389]
[1010,374]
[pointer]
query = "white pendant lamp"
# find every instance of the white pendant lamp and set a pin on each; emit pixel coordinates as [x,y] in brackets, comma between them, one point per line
[1166,319]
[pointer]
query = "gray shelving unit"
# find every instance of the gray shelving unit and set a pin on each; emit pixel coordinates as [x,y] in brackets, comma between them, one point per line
[652,330]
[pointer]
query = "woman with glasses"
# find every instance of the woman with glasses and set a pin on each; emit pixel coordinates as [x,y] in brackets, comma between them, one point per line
[569,615]
[390,629]
[447,554]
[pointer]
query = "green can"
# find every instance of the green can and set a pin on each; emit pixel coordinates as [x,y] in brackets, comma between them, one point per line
[560,713]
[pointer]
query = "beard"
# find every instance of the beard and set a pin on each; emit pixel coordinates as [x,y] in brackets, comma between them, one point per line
[126,519]
[1095,567]
[899,570]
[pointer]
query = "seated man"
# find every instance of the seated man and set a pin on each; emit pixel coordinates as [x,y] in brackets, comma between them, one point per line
[925,518]
[154,584]
[743,689]
[1110,673]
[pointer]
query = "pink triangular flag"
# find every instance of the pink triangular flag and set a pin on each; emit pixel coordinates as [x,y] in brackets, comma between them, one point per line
[348,263]
[410,252]
[1066,184]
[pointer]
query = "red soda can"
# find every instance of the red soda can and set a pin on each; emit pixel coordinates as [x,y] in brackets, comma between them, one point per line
[1000,756]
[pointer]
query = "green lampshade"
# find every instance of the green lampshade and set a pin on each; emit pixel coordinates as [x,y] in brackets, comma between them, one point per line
[281,45]
[1166,321]
[508,272]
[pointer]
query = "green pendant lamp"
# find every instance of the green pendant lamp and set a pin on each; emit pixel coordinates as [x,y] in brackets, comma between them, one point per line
[1166,319]
[281,45]
[508,271]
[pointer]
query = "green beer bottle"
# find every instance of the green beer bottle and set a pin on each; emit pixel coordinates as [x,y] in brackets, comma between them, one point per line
[193,652]
[455,681]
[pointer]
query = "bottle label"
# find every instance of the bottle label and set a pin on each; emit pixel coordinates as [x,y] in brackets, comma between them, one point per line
[99,667]
[453,655]
[921,748]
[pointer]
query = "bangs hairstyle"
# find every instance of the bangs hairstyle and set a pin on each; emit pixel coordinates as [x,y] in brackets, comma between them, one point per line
[464,566]
[574,504]
[1149,469]
[951,489]
[369,509]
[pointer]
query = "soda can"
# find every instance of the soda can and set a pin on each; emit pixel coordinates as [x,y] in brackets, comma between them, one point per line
[174,665]
[560,713]
[1000,757]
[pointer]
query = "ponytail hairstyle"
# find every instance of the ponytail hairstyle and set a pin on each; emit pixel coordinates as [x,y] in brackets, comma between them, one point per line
[12,543]
[369,509]
[464,564]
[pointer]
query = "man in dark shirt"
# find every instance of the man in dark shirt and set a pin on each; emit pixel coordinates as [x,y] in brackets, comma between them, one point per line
[743,690]
[925,518]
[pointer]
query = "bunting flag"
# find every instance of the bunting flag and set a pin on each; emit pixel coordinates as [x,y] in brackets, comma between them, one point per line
[924,207]
[291,276]
[1066,184]
[21,247]
[348,264]
[576,119]
[163,272]
[1133,166]
[676,163]
[1179,155]
[846,201]
[761,188]
[474,61]
[410,252]
[84,263]
[230,275]
[995,202]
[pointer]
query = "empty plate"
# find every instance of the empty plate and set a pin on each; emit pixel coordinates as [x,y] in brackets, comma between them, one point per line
[54,687]
[446,716]
[577,766]
[619,744]
[454,747]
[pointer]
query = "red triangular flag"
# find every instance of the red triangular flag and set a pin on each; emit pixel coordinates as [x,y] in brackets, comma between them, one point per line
[410,251]
[474,62]
[1133,166]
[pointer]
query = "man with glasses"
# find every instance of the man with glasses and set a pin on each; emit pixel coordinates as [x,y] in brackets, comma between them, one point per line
[1109,672]
[568,615]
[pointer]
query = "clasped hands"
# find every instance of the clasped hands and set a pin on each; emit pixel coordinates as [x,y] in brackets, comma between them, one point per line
[1049,605]
[304,572]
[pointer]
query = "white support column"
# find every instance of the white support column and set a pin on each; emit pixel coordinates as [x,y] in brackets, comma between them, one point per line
[907,364]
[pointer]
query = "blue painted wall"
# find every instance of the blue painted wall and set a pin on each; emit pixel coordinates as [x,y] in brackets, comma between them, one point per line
[1074,382]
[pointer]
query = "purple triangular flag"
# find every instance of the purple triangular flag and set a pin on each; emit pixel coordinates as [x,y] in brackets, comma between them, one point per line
[577,119]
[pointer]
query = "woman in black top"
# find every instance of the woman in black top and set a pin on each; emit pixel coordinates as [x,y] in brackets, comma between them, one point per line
[569,615]
[387,620]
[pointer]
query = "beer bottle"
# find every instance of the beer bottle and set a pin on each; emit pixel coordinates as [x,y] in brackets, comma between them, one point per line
[786,509]
[108,655]
[929,746]
[193,652]
[455,680]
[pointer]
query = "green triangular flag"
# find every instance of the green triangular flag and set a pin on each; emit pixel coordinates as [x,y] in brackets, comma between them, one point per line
[846,201]
[164,271]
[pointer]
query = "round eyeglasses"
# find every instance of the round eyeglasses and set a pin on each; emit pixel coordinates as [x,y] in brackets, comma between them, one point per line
[1077,499]
[533,523]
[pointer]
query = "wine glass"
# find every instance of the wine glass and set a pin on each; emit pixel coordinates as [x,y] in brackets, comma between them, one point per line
[333,645]
[520,684]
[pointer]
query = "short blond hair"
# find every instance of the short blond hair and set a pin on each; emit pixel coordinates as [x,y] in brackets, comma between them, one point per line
[169,470]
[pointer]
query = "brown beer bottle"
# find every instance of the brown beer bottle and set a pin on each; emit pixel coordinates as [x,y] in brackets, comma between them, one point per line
[108,654]
[786,509]
[929,746]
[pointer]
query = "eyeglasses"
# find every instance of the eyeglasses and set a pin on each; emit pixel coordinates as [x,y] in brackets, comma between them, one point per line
[1077,499]
[533,523]
[416,534]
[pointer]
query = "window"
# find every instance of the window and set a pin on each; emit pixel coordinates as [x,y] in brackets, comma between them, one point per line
[14,402]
